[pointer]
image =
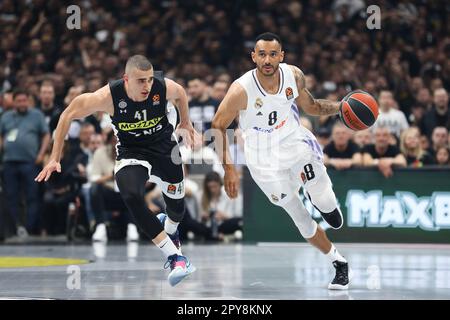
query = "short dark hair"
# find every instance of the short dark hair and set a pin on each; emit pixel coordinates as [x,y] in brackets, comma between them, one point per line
[47,83]
[193,78]
[138,61]
[18,92]
[268,36]
[212,177]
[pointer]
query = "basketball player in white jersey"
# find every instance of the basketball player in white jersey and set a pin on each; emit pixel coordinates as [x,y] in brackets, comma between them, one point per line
[281,154]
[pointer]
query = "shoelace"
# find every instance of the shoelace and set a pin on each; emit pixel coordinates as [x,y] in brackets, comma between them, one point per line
[171,260]
[341,274]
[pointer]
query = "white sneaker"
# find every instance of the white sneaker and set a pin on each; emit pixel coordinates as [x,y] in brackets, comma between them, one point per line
[100,233]
[132,233]
[132,250]
[22,232]
[99,249]
[190,235]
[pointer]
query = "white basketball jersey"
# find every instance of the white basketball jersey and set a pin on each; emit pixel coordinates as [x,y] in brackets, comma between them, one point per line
[269,118]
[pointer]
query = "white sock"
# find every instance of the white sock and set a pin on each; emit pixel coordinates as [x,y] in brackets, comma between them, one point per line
[168,248]
[170,227]
[334,255]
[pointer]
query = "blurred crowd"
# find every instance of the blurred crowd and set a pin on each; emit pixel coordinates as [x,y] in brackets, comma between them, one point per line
[204,45]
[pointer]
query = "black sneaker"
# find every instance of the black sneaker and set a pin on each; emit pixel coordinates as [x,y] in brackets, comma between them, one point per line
[342,277]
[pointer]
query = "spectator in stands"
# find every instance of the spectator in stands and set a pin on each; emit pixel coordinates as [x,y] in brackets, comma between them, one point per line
[416,157]
[24,139]
[382,154]
[62,194]
[390,117]
[192,219]
[46,103]
[416,116]
[443,156]
[425,143]
[424,98]
[439,139]
[95,142]
[201,158]
[201,106]
[439,115]
[362,138]
[6,103]
[82,145]
[219,89]
[222,214]
[323,136]
[342,152]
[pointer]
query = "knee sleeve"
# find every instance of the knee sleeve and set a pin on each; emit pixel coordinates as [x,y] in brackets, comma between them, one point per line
[175,208]
[322,196]
[323,199]
[302,219]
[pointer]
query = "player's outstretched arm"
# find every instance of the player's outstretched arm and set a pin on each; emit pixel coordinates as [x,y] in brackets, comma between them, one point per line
[315,107]
[234,101]
[82,106]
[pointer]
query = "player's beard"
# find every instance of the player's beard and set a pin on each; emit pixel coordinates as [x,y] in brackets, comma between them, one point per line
[261,70]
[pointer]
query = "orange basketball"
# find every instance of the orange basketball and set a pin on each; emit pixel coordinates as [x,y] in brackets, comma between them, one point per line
[358,110]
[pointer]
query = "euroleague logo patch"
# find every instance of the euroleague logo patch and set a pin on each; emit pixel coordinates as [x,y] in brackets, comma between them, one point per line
[171,189]
[155,99]
[289,93]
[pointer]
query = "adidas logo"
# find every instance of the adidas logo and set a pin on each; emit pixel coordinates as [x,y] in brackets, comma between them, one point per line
[259,113]
[283,195]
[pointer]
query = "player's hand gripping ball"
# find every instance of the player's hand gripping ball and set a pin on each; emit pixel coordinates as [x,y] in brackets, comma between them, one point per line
[358,110]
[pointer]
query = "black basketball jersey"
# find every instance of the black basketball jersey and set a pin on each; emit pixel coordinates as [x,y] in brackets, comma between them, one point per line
[140,125]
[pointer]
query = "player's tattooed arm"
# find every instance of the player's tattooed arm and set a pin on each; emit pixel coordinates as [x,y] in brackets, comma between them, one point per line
[305,100]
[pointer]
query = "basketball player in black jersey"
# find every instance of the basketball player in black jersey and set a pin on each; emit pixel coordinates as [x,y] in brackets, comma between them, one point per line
[137,104]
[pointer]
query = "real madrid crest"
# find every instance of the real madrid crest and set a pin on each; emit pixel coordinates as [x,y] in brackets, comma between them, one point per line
[258,103]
